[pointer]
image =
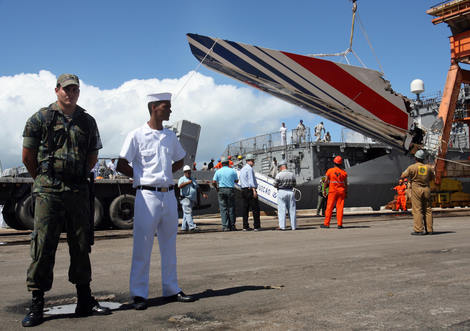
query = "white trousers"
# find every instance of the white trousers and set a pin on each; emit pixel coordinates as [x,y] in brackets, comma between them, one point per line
[154,212]
[286,202]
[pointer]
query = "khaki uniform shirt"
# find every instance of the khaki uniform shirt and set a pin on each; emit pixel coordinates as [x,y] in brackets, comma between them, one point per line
[419,174]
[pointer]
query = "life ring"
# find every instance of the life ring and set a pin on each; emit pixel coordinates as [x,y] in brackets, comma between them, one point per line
[121,211]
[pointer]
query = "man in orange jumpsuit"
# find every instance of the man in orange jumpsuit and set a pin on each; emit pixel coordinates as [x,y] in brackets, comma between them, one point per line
[401,195]
[337,181]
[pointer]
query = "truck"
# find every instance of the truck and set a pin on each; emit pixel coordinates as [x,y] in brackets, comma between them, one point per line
[114,194]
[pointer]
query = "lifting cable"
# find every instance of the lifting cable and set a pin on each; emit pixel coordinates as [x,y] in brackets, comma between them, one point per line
[349,49]
[196,69]
[452,161]
[351,37]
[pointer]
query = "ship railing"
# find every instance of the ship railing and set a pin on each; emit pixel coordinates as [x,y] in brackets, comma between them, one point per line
[350,136]
[268,141]
[15,172]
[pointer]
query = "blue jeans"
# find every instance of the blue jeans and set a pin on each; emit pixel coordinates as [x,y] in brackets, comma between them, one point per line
[227,207]
[286,200]
[187,206]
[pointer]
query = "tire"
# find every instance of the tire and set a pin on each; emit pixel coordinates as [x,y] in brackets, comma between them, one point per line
[121,211]
[9,215]
[375,208]
[99,213]
[24,211]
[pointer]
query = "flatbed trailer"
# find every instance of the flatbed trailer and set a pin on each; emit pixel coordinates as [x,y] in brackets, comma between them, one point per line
[114,202]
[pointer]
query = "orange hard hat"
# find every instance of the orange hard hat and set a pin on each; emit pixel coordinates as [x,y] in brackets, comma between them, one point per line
[338,160]
[406,179]
[229,157]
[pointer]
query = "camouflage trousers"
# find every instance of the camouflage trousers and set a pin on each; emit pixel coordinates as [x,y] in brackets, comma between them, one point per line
[53,213]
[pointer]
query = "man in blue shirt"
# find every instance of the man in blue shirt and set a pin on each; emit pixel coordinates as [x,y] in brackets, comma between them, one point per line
[188,192]
[224,181]
[249,195]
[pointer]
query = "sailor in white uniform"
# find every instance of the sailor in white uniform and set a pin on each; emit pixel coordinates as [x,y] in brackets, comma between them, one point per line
[155,153]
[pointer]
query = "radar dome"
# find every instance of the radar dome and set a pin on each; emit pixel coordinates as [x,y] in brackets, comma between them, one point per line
[417,86]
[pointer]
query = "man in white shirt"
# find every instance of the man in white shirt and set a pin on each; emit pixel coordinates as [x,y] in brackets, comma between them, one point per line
[155,153]
[283,131]
[319,131]
[300,130]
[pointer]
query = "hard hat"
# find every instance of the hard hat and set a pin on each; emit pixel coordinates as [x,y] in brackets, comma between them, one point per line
[282,163]
[405,180]
[338,160]
[419,155]
[249,157]
[240,157]
[186,168]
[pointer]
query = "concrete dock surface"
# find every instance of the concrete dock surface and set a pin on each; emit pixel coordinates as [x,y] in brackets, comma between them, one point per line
[371,275]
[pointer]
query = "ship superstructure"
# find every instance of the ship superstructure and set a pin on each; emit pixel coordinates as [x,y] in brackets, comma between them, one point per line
[373,167]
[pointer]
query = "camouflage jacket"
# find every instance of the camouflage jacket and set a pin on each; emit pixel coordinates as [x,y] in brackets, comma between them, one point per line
[74,140]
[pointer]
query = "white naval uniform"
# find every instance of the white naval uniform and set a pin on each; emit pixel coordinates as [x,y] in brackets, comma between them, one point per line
[152,153]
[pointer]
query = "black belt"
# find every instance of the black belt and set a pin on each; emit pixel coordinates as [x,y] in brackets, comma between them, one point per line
[153,188]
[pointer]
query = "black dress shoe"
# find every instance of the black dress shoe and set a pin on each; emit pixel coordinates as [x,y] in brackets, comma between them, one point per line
[181,297]
[414,233]
[92,307]
[323,226]
[140,303]
[340,226]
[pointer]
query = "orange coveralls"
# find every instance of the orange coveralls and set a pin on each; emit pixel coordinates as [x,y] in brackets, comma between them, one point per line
[337,181]
[401,197]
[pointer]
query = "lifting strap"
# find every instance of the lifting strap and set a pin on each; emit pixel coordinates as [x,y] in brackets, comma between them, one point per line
[51,147]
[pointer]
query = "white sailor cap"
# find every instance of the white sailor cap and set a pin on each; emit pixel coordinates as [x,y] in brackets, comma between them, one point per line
[158,97]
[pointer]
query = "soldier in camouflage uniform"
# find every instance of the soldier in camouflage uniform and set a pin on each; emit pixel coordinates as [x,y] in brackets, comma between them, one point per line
[60,147]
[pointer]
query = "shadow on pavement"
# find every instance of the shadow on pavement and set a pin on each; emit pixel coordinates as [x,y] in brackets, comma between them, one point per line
[435,233]
[355,227]
[209,293]
[160,301]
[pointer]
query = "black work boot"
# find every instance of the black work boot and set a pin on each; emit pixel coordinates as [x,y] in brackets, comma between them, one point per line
[35,315]
[86,304]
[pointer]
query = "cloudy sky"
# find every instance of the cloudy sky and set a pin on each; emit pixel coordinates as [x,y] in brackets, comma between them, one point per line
[123,50]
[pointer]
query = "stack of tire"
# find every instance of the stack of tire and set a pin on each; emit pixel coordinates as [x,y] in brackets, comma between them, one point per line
[19,214]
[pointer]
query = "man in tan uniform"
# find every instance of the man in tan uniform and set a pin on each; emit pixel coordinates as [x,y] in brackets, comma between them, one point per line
[419,176]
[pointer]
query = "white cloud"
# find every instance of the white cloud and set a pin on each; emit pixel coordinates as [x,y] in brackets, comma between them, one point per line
[226,113]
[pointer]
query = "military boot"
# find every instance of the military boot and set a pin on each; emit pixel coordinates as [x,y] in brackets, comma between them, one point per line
[35,315]
[87,305]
